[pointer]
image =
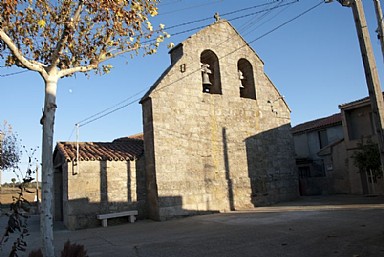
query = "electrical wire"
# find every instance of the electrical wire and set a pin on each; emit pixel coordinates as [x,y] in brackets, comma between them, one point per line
[117,107]
[224,14]
[168,3]
[96,117]
[261,24]
[190,7]
[107,113]
[107,109]
[287,22]
[246,44]
[114,108]
[250,24]
[200,20]
[13,73]
[232,19]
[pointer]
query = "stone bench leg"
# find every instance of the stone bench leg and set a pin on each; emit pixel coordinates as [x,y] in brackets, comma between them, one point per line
[131,218]
[105,222]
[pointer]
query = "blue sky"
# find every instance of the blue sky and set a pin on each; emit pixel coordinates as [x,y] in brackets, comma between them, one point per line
[314,61]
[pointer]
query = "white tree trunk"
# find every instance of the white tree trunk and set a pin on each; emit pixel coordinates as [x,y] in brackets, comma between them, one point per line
[46,215]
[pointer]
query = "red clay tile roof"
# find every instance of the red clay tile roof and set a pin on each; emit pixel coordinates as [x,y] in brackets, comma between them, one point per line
[329,121]
[122,149]
[139,136]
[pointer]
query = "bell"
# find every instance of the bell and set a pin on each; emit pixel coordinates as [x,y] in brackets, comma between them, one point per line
[206,71]
[206,80]
[241,78]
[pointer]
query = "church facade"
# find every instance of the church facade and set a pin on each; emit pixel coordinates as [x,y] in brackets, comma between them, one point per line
[216,130]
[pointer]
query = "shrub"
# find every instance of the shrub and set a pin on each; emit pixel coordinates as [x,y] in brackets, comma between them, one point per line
[69,250]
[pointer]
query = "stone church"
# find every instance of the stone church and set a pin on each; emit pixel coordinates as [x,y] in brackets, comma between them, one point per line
[216,138]
[216,130]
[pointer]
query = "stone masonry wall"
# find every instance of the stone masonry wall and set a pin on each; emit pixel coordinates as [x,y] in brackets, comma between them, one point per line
[102,187]
[217,152]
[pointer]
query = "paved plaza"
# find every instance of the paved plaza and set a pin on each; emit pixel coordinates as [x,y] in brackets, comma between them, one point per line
[350,226]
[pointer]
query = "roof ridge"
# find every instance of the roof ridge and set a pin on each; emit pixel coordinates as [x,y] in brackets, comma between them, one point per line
[356,101]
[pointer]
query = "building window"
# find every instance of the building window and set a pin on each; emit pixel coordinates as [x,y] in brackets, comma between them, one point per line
[210,72]
[323,138]
[304,172]
[246,79]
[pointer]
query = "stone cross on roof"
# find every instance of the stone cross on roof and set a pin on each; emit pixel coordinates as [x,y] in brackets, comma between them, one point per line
[216,16]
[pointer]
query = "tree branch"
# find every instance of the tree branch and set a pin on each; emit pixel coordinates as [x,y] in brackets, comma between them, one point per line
[103,58]
[94,65]
[31,65]
[66,72]
[64,37]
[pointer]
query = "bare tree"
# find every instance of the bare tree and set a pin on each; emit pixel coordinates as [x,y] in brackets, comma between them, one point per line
[59,38]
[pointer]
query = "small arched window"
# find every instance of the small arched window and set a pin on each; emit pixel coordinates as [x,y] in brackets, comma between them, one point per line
[210,72]
[246,79]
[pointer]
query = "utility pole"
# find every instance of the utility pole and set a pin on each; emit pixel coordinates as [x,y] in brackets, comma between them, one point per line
[380,24]
[371,75]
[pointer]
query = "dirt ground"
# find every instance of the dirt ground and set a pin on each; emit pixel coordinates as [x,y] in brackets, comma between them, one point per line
[7,195]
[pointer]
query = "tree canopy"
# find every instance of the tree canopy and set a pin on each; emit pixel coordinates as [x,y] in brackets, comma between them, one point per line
[74,36]
[10,153]
[59,38]
[367,157]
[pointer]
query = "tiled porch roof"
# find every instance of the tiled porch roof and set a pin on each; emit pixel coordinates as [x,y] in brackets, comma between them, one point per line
[121,149]
[322,123]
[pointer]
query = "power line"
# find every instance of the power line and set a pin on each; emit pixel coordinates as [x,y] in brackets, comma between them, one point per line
[289,21]
[190,7]
[200,20]
[235,18]
[259,25]
[112,109]
[13,73]
[240,47]
[224,14]
[107,109]
[252,22]
[265,10]
[171,2]
[117,107]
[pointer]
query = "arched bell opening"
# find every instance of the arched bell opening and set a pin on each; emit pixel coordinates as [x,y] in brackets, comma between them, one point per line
[210,72]
[246,79]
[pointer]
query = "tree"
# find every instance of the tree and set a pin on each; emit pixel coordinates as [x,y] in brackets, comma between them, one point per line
[59,38]
[367,158]
[13,182]
[10,154]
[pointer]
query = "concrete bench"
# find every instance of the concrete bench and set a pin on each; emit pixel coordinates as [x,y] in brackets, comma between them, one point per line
[105,217]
